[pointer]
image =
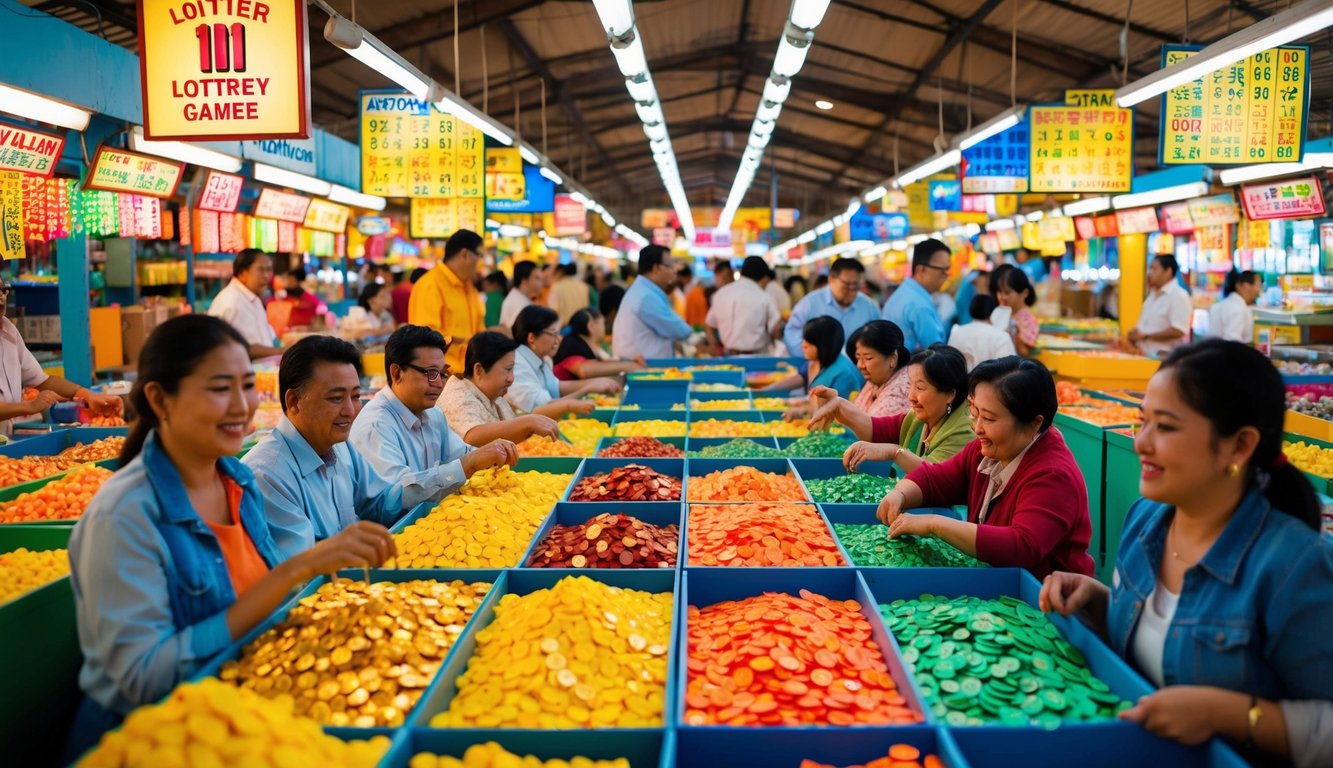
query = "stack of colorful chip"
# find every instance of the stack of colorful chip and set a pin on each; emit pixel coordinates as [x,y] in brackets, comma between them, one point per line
[650,428]
[608,541]
[856,488]
[739,448]
[541,445]
[818,445]
[24,570]
[899,756]
[996,661]
[640,448]
[632,482]
[581,654]
[778,659]
[726,428]
[358,654]
[787,428]
[784,535]
[870,546]
[492,755]
[746,484]
[583,434]
[720,405]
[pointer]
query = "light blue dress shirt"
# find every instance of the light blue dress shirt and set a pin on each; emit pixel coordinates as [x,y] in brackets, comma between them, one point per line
[418,455]
[308,497]
[912,310]
[646,324]
[534,384]
[821,303]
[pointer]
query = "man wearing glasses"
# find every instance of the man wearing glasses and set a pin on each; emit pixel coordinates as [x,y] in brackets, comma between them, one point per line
[912,307]
[445,298]
[646,325]
[405,438]
[841,300]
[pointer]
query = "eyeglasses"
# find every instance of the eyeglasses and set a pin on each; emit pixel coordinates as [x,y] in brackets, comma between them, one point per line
[553,334]
[432,374]
[4,290]
[851,285]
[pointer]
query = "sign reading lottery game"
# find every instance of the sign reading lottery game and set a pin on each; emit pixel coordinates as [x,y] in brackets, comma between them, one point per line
[224,69]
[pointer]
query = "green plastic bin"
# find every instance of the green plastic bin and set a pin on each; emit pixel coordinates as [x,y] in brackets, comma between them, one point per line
[1122,490]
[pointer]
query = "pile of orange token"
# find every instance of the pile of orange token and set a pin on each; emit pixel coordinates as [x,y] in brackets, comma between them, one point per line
[899,756]
[760,535]
[1105,416]
[541,445]
[98,450]
[746,484]
[63,499]
[29,468]
[779,659]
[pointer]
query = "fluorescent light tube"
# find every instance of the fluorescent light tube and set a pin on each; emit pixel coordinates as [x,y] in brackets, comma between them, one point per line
[513,230]
[392,66]
[824,228]
[31,106]
[807,236]
[649,112]
[1313,161]
[776,92]
[617,16]
[608,219]
[790,57]
[996,125]
[807,14]
[630,57]
[1087,205]
[450,104]
[877,193]
[656,132]
[929,167]
[999,224]
[1036,216]
[184,152]
[1159,196]
[529,156]
[768,112]
[641,88]
[285,178]
[341,194]
[552,175]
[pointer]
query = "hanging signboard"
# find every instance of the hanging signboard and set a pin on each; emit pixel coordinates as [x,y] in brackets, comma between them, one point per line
[1000,163]
[28,151]
[1031,233]
[504,174]
[1085,227]
[221,192]
[224,70]
[326,216]
[1008,239]
[663,236]
[281,206]
[1176,219]
[1299,198]
[946,195]
[1136,221]
[918,205]
[440,218]
[571,218]
[878,226]
[1213,211]
[1081,149]
[1253,111]
[11,216]
[293,154]
[988,244]
[1106,226]
[411,149]
[1053,228]
[116,170]
[536,193]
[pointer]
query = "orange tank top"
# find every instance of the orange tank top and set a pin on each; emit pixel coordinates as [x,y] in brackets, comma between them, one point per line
[244,563]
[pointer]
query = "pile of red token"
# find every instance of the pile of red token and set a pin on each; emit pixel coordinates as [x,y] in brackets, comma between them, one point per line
[608,541]
[746,484]
[779,659]
[760,535]
[899,756]
[640,448]
[632,482]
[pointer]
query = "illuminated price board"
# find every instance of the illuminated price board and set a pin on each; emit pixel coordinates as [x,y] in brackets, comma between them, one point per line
[411,149]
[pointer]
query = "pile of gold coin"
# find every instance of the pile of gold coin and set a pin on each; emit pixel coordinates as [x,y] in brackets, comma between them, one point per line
[359,654]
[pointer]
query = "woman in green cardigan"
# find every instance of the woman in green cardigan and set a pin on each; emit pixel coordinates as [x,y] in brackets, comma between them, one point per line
[936,428]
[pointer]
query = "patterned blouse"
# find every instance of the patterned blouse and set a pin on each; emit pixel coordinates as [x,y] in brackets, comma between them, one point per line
[465,406]
[1024,327]
[887,399]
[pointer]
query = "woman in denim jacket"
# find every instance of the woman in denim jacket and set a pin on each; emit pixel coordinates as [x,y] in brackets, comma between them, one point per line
[173,560]
[1223,590]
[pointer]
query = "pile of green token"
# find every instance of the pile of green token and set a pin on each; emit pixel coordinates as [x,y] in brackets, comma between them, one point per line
[851,489]
[818,445]
[740,448]
[870,545]
[996,662]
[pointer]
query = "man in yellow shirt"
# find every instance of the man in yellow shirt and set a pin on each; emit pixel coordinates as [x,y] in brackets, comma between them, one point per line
[445,298]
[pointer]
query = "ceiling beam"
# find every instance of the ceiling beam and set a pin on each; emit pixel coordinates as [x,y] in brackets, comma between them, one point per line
[1135,27]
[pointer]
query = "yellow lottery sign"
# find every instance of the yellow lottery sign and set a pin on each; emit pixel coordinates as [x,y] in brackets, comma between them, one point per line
[11,215]
[1082,149]
[224,69]
[410,149]
[1250,112]
[441,218]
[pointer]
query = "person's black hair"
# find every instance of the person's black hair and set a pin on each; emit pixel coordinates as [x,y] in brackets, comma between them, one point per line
[825,334]
[497,278]
[1235,278]
[172,352]
[1017,281]
[946,370]
[608,301]
[821,280]
[650,256]
[996,275]
[300,274]
[883,336]
[925,251]
[417,274]
[462,240]
[368,293]
[1168,261]
[1234,386]
[1025,387]
[842,264]
[755,268]
[569,270]
[486,349]
[523,270]
[299,361]
[685,271]
[579,321]
[532,321]
[401,348]
[793,280]
[246,259]
[982,307]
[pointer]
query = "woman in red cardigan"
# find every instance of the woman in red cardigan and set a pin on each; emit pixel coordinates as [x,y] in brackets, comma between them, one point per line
[1027,506]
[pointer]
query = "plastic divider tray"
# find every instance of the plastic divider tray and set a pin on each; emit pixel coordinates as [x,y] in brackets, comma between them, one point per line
[756,417]
[58,440]
[685,542]
[787,747]
[607,442]
[1112,745]
[785,443]
[659,513]
[442,691]
[644,748]
[651,415]
[655,394]
[709,586]
[699,443]
[701,467]
[671,467]
[1122,490]
[551,465]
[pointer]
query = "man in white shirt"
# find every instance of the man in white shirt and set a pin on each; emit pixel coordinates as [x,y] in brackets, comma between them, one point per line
[1231,318]
[1164,323]
[979,340]
[774,289]
[529,282]
[743,319]
[241,305]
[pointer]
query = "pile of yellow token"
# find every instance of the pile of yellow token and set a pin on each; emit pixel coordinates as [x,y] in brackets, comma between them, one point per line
[24,570]
[210,724]
[651,428]
[771,403]
[489,523]
[726,428]
[492,755]
[582,654]
[788,428]
[720,405]
[1309,457]
[584,434]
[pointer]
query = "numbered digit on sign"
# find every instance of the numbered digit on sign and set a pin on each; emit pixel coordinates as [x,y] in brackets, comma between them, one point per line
[221,47]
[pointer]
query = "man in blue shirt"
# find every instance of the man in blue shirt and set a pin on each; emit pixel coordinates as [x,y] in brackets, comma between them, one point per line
[1033,266]
[314,483]
[911,307]
[405,438]
[646,326]
[841,300]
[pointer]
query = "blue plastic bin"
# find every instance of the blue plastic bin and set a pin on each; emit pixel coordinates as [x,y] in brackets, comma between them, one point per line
[644,748]
[846,560]
[670,467]
[660,513]
[787,747]
[607,442]
[1111,745]
[701,467]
